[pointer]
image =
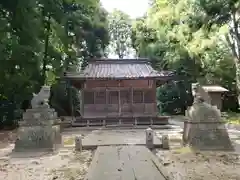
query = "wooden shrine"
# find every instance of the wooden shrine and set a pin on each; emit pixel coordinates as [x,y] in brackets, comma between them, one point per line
[118,91]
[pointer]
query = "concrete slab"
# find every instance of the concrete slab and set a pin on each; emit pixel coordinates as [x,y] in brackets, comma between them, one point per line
[124,162]
[117,137]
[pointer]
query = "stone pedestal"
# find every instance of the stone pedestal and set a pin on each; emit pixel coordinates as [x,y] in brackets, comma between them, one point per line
[38,131]
[207,136]
[204,129]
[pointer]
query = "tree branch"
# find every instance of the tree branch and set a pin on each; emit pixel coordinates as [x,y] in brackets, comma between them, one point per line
[235,33]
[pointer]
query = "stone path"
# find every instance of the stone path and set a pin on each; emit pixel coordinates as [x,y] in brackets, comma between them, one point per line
[124,163]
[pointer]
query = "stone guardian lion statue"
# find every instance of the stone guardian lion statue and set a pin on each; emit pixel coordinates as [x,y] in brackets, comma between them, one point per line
[41,99]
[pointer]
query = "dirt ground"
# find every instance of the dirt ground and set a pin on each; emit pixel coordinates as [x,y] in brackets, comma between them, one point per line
[64,165]
[181,163]
[184,164]
[7,137]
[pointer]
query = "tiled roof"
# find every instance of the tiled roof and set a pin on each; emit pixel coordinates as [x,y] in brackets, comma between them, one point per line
[119,69]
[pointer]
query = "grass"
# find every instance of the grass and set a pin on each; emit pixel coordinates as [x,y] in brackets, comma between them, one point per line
[183,150]
[68,141]
[232,118]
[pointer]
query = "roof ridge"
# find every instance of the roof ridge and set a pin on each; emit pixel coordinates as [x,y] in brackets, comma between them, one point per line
[120,61]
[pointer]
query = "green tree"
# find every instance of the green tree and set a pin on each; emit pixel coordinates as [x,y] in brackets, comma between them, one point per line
[41,39]
[175,37]
[225,14]
[120,33]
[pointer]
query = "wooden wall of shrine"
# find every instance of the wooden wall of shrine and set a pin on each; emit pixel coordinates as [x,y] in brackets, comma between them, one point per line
[119,98]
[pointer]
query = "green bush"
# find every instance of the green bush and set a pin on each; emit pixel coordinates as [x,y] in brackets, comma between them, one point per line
[174,97]
[8,114]
[65,99]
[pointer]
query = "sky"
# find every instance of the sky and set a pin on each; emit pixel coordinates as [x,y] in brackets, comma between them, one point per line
[134,8]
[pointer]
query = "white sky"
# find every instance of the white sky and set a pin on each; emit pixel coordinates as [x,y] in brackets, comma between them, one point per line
[135,8]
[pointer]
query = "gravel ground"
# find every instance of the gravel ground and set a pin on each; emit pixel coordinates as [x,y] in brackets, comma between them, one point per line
[7,137]
[183,164]
[64,165]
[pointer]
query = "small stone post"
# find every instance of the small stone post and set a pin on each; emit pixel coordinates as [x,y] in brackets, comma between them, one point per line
[78,143]
[149,138]
[165,141]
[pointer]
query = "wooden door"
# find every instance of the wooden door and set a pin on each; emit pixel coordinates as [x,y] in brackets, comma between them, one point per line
[125,103]
[113,103]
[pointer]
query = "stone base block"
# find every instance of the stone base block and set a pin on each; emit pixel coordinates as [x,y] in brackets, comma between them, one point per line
[39,113]
[39,122]
[38,138]
[207,136]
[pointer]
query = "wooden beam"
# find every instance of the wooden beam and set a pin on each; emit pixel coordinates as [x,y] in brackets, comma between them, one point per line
[116,88]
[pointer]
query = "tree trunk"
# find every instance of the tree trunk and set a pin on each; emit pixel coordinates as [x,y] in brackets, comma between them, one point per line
[44,69]
[233,40]
[237,64]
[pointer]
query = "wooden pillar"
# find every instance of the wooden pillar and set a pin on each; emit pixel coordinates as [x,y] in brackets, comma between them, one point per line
[119,99]
[69,84]
[82,101]
[143,99]
[131,100]
[82,98]
[94,97]
[155,109]
[107,97]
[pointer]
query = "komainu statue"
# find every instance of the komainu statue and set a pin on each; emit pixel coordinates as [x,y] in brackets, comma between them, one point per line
[198,91]
[41,99]
[204,129]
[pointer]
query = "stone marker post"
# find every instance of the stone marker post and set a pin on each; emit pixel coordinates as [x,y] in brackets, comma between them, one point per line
[149,138]
[78,143]
[165,141]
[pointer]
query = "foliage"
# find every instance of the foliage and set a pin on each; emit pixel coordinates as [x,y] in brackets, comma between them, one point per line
[232,118]
[41,39]
[225,14]
[64,99]
[172,97]
[120,33]
[175,36]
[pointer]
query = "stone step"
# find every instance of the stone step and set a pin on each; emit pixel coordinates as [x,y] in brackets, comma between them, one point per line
[119,122]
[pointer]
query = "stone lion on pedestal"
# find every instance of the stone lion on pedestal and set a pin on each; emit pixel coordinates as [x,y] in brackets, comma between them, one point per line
[204,129]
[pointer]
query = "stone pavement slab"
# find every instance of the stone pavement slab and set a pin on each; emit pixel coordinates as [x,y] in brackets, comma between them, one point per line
[124,163]
[117,137]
